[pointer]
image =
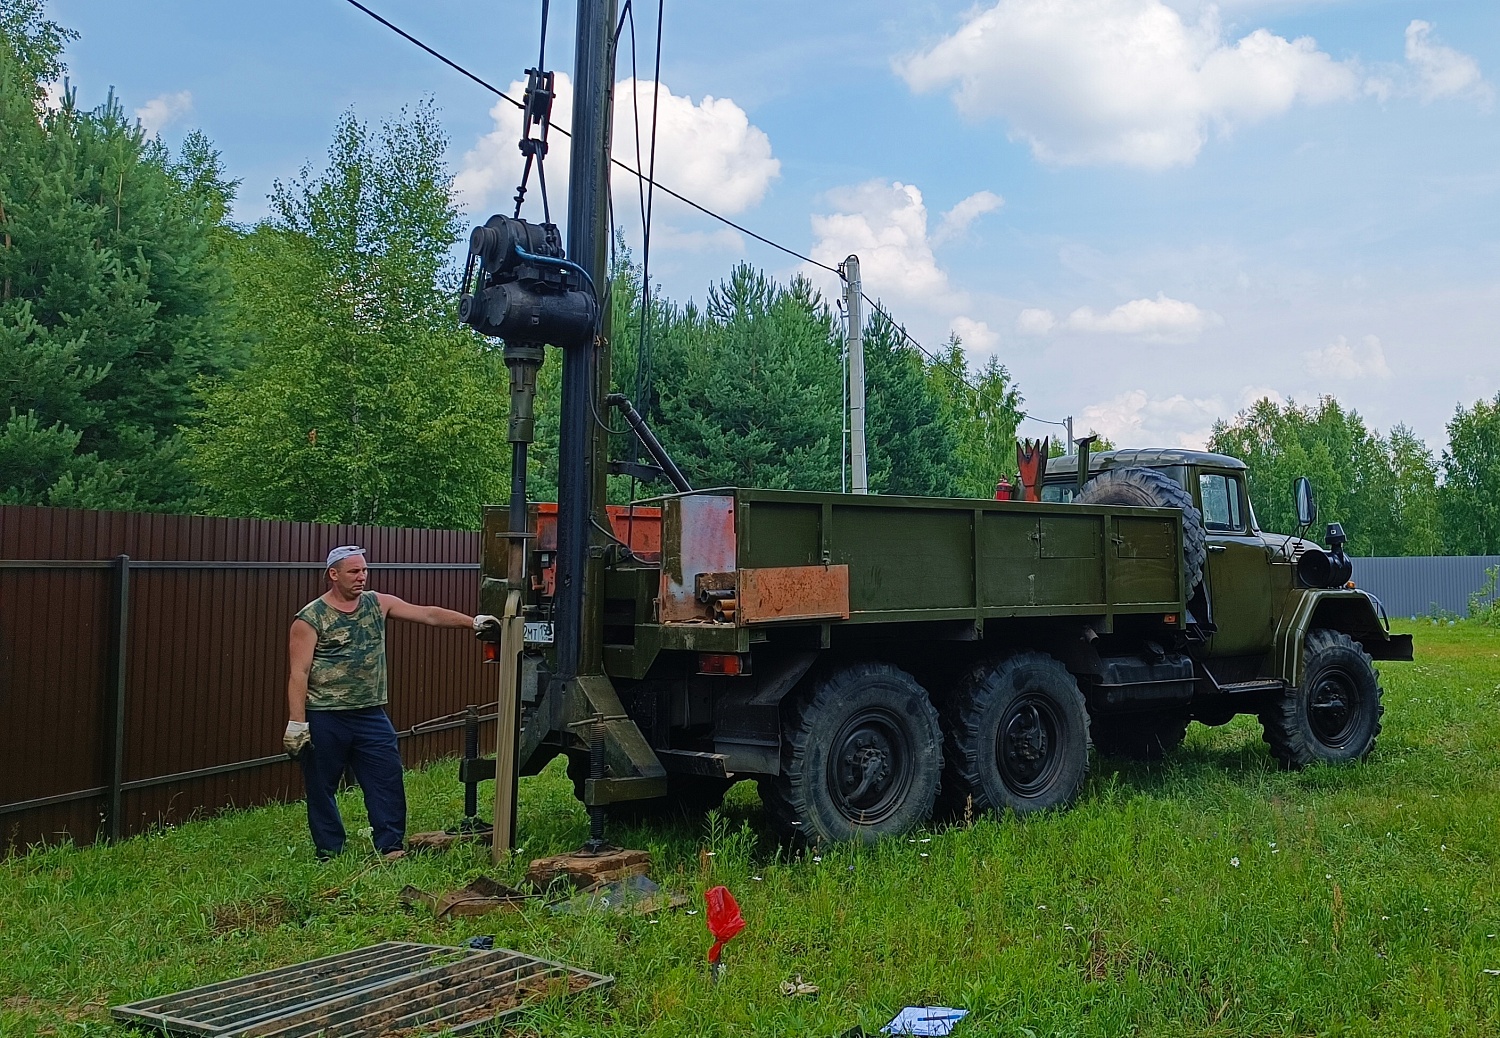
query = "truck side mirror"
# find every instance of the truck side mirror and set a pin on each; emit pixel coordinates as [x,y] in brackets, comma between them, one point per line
[1307,504]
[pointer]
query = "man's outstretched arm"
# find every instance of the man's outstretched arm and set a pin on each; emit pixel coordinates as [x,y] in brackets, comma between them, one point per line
[432,616]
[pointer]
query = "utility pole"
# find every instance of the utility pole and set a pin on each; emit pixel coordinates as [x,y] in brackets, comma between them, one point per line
[1069,424]
[852,300]
[581,468]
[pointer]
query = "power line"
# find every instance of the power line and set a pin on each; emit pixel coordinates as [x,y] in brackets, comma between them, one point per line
[446,61]
[651,182]
[977,391]
[625,166]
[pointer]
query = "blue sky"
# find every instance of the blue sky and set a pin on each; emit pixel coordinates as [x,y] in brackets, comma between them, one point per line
[1152,211]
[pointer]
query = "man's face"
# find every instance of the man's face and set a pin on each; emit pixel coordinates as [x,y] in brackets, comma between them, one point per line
[349,576]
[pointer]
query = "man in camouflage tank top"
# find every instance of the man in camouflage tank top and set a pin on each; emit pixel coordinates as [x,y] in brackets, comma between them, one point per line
[337,697]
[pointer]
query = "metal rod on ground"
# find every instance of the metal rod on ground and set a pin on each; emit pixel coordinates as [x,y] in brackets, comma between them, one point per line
[507,727]
[471,752]
[857,464]
[596,772]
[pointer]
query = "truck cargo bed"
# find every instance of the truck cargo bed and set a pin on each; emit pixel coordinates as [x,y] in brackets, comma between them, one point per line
[780,557]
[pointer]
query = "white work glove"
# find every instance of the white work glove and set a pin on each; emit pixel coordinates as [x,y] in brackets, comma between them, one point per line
[297,740]
[484,620]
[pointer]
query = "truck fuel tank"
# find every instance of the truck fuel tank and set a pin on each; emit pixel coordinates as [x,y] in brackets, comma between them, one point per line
[1127,680]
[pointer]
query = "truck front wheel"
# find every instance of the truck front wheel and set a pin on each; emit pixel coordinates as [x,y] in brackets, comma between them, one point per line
[1018,736]
[862,755]
[1335,715]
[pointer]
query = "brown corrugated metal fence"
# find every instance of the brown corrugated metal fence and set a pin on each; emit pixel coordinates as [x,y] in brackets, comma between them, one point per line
[143,660]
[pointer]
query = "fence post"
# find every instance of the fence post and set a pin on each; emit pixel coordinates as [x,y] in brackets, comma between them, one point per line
[116,697]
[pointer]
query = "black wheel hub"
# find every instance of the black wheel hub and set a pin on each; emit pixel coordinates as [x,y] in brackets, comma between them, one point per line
[870,767]
[1026,749]
[1333,709]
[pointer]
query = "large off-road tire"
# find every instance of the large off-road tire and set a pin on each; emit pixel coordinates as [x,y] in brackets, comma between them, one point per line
[1152,489]
[1147,736]
[862,756]
[689,797]
[1017,736]
[1335,715]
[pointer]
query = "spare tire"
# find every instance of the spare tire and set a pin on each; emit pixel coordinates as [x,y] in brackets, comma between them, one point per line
[1152,489]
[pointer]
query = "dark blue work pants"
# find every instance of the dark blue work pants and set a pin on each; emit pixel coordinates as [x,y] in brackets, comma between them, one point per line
[364,740]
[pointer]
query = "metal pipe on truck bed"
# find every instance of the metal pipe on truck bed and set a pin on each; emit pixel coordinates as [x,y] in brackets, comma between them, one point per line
[650,442]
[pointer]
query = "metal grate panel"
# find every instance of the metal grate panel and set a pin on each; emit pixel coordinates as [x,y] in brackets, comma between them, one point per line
[389,987]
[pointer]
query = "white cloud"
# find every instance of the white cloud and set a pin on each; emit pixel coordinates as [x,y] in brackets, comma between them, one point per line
[1440,71]
[1162,317]
[1137,419]
[1121,81]
[1159,316]
[53,93]
[962,216]
[976,336]
[164,110]
[1343,360]
[885,225]
[1035,322]
[724,239]
[708,151]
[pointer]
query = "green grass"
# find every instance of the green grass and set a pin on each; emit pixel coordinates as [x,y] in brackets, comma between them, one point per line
[1364,901]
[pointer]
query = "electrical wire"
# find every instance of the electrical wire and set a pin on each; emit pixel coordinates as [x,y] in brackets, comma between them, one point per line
[455,66]
[726,221]
[983,398]
[649,180]
[643,346]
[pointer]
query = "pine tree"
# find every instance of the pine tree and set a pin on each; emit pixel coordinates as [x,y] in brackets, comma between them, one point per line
[112,290]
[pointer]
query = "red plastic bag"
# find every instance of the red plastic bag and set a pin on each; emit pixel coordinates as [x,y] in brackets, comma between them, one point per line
[724,919]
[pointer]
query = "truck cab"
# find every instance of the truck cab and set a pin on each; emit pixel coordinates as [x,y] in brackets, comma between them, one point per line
[1260,595]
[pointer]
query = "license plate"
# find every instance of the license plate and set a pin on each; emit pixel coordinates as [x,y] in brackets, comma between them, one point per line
[538,632]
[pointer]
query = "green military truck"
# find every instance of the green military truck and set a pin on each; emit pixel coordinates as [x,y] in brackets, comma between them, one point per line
[873,661]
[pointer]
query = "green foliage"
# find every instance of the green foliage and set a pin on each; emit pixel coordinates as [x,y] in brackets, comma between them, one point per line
[1470,501]
[34,45]
[1484,604]
[364,401]
[983,408]
[1381,489]
[1415,496]
[913,424]
[747,390]
[113,297]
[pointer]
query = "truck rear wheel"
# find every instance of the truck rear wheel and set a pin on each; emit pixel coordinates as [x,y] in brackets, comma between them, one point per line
[1335,715]
[1145,736]
[1153,489]
[862,755]
[1018,736]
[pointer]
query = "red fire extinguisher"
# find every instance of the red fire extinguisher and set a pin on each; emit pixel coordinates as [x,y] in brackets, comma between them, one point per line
[1002,489]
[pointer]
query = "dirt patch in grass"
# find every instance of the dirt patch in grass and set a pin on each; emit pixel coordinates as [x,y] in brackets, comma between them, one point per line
[56,1012]
[241,916]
